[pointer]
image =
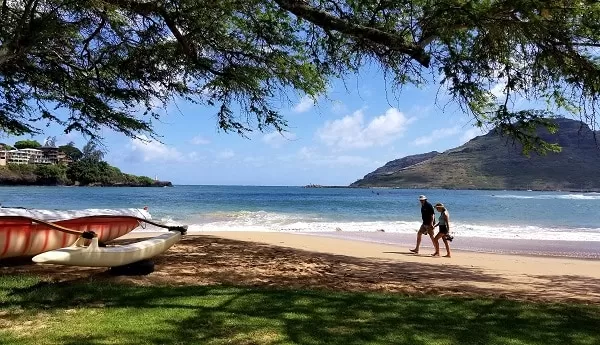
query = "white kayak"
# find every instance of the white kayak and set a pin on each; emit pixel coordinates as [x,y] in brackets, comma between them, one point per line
[112,256]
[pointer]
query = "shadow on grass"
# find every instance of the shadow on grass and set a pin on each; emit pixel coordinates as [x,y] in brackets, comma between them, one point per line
[233,315]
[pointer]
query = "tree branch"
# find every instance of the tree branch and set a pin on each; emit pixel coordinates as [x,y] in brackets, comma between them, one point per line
[189,50]
[87,41]
[148,8]
[326,21]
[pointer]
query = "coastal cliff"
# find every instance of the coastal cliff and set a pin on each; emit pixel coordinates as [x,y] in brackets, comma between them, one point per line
[492,161]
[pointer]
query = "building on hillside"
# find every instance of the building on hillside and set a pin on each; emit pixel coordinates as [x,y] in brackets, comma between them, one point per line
[53,155]
[27,156]
[24,156]
[45,155]
[17,157]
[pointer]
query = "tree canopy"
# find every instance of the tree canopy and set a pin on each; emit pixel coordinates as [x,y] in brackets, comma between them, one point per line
[27,144]
[4,146]
[91,152]
[104,60]
[71,151]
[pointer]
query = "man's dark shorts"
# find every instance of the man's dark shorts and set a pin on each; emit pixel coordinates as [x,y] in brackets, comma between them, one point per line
[426,229]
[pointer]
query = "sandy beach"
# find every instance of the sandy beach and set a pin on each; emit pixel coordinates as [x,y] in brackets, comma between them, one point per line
[316,262]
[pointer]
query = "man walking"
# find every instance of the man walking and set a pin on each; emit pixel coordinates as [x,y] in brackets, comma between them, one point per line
[428,216]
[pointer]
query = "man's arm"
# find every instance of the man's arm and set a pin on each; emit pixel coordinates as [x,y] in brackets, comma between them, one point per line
[432,215]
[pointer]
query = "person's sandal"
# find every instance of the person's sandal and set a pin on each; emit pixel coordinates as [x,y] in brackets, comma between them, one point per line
[414,251]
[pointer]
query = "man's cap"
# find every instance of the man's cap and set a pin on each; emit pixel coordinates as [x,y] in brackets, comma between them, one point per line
[422,197]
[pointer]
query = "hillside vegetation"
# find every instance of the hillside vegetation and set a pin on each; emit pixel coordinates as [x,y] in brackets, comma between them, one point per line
[86,168]
[494,162]
[82,172]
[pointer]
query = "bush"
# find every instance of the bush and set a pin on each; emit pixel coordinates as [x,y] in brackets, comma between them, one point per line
[51,174]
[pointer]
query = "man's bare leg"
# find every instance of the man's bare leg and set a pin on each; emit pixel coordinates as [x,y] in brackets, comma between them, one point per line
[436,244]
[416,250]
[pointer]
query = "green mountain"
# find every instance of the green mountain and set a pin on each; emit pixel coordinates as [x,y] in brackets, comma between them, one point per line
[494,162]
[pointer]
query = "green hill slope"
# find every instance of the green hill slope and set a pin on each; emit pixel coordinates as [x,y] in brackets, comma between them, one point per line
[493,162]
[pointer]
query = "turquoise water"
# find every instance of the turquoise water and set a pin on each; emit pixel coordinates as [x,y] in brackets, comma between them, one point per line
[488,214]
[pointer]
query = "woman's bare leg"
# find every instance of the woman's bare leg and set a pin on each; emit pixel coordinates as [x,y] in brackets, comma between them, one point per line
[436,244]
[448,254]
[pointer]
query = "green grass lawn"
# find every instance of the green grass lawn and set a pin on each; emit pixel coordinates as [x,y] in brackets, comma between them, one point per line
[101,313]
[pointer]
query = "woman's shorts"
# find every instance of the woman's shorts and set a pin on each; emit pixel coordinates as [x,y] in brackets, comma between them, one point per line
[443,229]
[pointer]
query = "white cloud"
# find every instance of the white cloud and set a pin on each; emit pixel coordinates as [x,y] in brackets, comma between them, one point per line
[420,111]
[498,90]
[471,133]
[255,161]
[351,132]
[226,154]
[435,135]
[277,139]
[311,156]
[199,140]
[151,150]
[67,138]
[305,104]
[350,160]
[339,108]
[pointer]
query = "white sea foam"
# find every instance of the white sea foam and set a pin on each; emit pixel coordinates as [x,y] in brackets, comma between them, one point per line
[586,196]
[279,222]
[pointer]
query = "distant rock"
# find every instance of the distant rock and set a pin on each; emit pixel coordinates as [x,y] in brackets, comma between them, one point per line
[491,161]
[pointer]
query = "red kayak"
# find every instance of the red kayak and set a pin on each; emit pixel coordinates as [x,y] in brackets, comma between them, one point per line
[21,236]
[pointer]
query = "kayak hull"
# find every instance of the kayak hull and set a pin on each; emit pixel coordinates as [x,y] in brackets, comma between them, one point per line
[22,237]
[111,256]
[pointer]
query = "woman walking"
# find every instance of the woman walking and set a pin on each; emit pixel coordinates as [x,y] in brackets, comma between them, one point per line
[444,231]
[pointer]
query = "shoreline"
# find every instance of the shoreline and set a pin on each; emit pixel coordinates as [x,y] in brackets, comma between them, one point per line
[120,185]
[522,247]
[482,188]
[584,250]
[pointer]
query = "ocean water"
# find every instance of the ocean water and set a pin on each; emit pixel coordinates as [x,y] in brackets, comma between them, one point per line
[558,216]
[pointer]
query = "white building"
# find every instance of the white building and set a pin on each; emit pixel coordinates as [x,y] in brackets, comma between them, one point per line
[24,156]
[34,156]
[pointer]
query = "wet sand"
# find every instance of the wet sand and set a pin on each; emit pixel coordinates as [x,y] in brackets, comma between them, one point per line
[573,249]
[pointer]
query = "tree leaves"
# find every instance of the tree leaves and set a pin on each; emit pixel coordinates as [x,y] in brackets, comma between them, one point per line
[116,63]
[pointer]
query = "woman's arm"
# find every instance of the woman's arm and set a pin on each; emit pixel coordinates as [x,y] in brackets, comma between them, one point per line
[447,218]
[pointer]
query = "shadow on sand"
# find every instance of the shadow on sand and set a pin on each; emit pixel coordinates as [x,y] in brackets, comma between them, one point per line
[203,260]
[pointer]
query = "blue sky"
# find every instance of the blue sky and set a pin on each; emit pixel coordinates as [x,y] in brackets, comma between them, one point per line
[358,126]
